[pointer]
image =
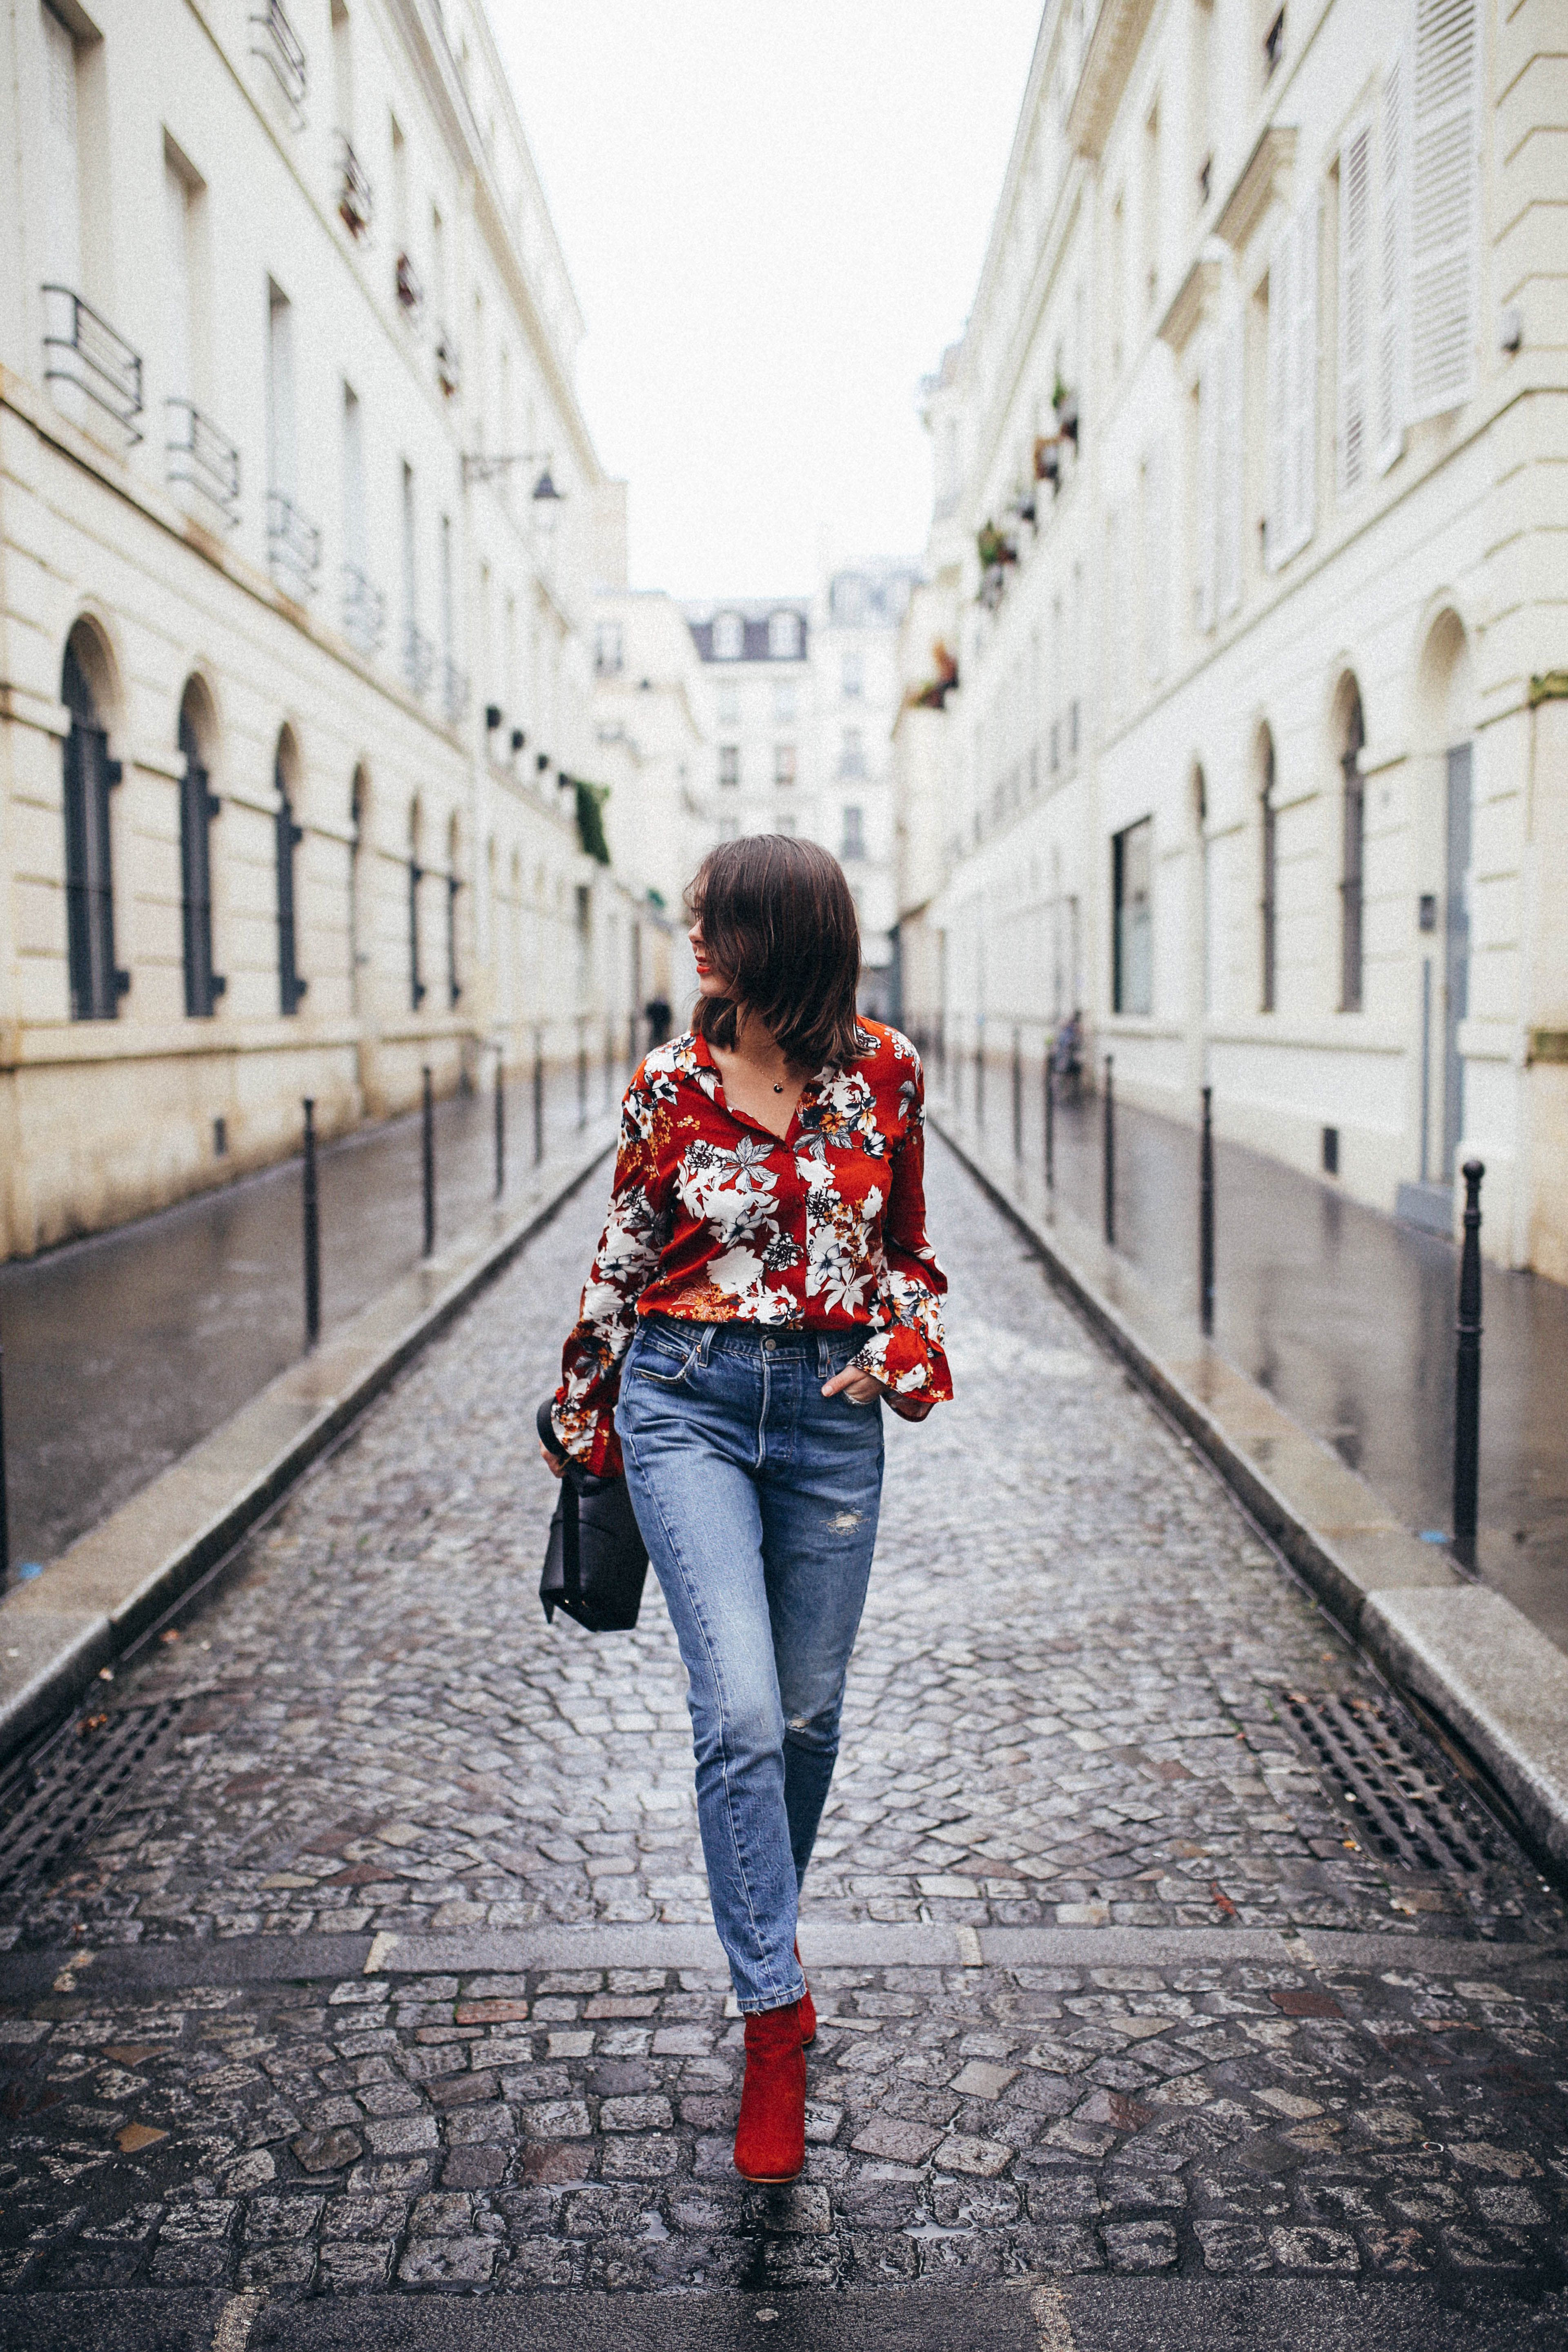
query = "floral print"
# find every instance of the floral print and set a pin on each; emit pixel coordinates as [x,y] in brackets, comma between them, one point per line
[714,1220]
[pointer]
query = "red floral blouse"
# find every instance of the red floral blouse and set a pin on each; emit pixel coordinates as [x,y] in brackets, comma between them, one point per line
[715,1220]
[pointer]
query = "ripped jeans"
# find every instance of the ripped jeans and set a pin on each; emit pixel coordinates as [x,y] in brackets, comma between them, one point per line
[757,1497]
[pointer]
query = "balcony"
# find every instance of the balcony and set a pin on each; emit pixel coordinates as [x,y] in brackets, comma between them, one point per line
[364,611]
[448,366]
[199,454]
[410,293]
[356,202]
[418,660]
[83,350]
[454,693]
[281,51]
[293,547]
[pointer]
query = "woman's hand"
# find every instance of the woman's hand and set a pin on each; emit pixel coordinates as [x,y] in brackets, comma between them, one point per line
[860,1387]
[554,1463]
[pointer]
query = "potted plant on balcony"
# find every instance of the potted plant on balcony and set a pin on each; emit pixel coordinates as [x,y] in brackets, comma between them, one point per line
[995,549]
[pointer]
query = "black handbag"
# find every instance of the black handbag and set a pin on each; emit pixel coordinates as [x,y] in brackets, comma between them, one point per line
[596,1560]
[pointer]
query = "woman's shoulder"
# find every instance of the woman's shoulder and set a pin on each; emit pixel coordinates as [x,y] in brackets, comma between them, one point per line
[675,1059]
[887,1053]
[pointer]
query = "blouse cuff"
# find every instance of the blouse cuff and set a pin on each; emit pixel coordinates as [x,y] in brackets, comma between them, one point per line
[903,1362]
[588,1434]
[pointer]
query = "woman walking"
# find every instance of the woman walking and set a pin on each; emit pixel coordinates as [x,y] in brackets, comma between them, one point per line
[763,1284]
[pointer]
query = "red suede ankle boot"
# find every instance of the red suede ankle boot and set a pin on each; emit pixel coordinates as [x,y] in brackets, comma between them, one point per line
[770,2138]
[807,2011]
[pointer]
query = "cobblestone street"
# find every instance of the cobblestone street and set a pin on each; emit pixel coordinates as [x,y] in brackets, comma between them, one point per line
[391,1977]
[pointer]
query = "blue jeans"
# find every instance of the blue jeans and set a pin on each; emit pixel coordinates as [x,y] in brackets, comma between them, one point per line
[757,1497]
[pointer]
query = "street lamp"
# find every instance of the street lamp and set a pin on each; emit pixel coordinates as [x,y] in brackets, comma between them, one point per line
[478,466]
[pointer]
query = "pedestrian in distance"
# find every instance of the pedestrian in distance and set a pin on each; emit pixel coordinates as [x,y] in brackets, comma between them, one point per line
[764,1287]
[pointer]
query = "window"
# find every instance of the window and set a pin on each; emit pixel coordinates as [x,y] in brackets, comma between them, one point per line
[784,636]
[852,679]
[287,837]
[1268,904]
[607,649]
[181,191]
[96,986]
[1221,462]
[1132,943]
[1353,865]
[729,763]
[1156,489]
[852,753]
[197,810]
[854,842]
[728,636]
[728,704]
[1292,387]
[62,220]
[1273,45]
[786,702]
[783,763]
[281,449]
[1444,235]
[1353,420]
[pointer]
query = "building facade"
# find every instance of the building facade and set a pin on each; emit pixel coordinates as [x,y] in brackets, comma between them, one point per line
[1247,541]
[856,686]
[298,521]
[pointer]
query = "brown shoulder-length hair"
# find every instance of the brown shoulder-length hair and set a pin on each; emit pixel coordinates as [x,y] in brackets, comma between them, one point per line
[779,926]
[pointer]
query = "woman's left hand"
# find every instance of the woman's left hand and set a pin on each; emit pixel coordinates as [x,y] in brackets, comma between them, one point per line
[860,1387]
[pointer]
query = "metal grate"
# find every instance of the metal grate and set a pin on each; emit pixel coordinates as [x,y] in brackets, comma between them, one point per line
[71,1787]
[1407,1809]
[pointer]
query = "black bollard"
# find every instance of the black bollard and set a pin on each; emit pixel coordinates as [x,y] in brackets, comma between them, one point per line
[312,1232]
[1110,1168]
[428,1160]
[1207,1217]
[1468,1374]
[1017,1096]
[500,1122]
[4,1502]
[1047,1080]
[538,1098]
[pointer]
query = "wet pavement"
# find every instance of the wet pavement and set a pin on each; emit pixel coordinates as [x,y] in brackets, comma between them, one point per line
[1345,1316]
[125,1349]
[1123,1995]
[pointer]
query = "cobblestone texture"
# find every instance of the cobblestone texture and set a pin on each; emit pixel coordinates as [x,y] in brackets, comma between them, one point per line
[1063,1711]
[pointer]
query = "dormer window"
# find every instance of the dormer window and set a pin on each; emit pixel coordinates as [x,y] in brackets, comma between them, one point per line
[728,636]
[784,636]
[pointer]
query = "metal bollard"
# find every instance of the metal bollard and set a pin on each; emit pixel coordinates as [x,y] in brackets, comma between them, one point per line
[538,1098]
[5,1499]
[1468,1374]
[1109,1159]
[312,1232]
[500,1122]
[1207,1217]
[428,1164]
[1017,1096]
[1047,1080]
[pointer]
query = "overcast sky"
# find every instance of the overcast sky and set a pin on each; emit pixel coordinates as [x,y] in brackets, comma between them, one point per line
[774,218]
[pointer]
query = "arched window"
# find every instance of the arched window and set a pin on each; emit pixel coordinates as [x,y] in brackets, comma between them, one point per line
[453,978]
[1353,865]
[415,876]
[784,636]
[729,637]
[91,775]
[197,809]
[287,837]
[1267,905]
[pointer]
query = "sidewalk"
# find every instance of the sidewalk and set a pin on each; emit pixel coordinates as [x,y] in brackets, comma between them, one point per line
[1343,1315]
[124,1351]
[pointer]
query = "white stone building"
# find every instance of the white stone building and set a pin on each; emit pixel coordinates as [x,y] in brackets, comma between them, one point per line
[1248,540]
[292,660]
[855,690]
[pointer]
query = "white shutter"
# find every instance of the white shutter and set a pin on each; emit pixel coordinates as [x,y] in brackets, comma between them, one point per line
[1281,304]
[1355,255]
[1304,393]
[1443,216]
[1392,349]
[177,298]
[1157,562]
[62,265]
[1232,456]
[1209,373]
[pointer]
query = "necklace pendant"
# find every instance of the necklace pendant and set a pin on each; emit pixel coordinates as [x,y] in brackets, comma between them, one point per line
[778,1089]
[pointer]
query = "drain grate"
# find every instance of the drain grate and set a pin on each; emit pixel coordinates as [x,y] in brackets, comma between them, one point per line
[1407,1809]
[76,1784]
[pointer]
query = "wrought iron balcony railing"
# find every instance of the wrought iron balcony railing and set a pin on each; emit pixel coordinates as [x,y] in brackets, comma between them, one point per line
[356,203]
[293,546]
[203,457]
[364,611]
[419,660]
[82,348]
[280,49]
[454,692]
[448,366]
[410,293]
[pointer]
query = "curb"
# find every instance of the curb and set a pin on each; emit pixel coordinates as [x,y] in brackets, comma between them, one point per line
[1495,1683]
[110,1588]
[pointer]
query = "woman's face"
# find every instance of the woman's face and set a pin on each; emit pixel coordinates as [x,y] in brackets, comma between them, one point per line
[709,982]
